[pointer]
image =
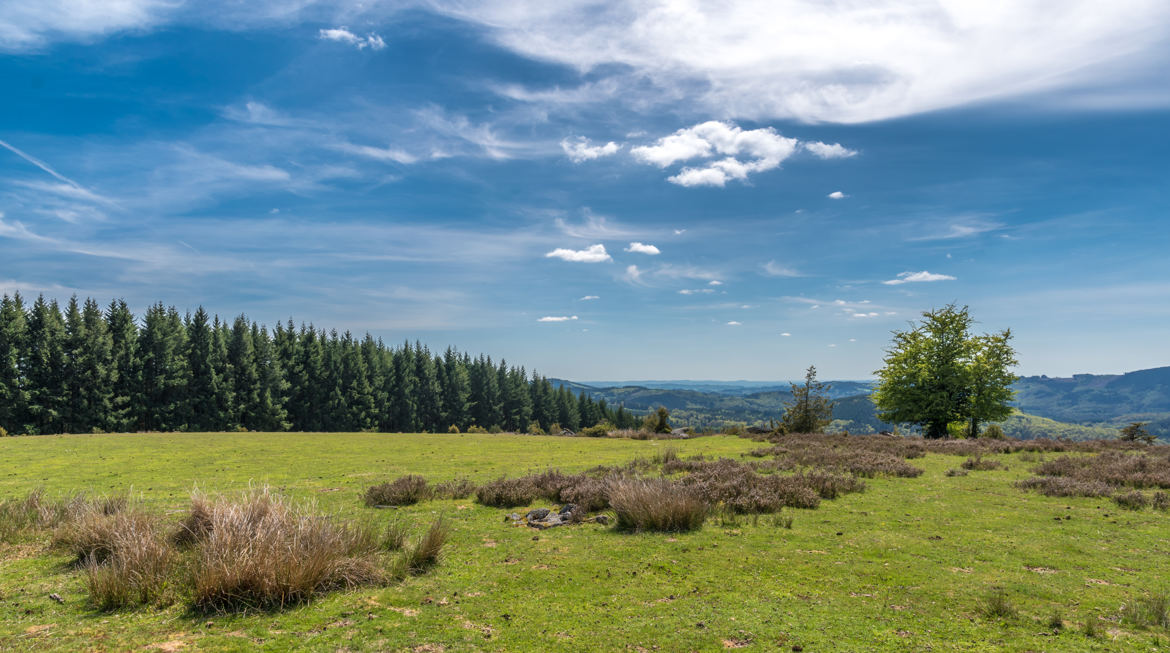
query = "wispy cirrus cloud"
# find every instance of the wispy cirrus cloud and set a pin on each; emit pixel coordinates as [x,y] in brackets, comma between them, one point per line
[829,151]
[557,318]
[774,269]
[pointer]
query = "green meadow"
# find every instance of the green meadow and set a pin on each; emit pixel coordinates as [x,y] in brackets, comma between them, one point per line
[908,564]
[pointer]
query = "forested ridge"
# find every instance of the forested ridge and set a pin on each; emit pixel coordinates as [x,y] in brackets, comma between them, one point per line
[88,369]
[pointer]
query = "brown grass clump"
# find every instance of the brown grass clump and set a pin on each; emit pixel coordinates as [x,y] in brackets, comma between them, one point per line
[1161,501]
[89,530]
[261,552]
[425,553]
[656,505]
[403,491]
[34,512]
[138,569]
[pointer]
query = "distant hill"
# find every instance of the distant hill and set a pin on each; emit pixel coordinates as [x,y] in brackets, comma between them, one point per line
[1110,400]
[1081,407]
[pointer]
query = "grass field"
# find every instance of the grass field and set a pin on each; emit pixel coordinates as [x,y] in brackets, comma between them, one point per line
[904,565]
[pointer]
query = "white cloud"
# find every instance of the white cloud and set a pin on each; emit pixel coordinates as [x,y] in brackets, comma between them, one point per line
[734,323]
[632,275]
[591,254]
[695,291]
[589,298]
[641,248]
[761,149]
[827,151]
[580,149]
[786,334]
[714,282]
[774,269]
[837,195]
[853,340]
[557,318]
[865,315]
[918,277]
[964,227]
[379,153]
[26,24]
[679,232]
[343,35]
[845,62]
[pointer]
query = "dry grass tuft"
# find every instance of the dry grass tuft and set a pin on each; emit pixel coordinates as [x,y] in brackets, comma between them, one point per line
[425,553]
[138,569]
[261,552]
[656,505]
[1152,611]
[458,488]
[978,463]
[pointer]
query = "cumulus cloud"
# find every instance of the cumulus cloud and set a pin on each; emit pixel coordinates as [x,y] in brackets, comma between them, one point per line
[837,195]
[734,323]
[588,298]
[591,254]
[786,334]
[774,269]
[557,318]
[714,282]
[632,275]
[918,277]
[343,35]
[846,62]
[827,151]
[641,248]
[743,152]
[580,150]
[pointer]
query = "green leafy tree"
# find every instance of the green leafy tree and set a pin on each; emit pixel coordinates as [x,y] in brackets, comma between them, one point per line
[937,373]
[658,421]
[810,410]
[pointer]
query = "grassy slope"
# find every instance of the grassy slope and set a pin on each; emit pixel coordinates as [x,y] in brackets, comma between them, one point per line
[883,583]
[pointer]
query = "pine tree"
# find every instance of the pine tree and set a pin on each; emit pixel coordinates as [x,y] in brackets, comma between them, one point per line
[810,410]
[162,347]
[203,390]
[268,413]
[359,393]
[402,393]
[93,369]
[45,368]
[125,370]
[245,374]
[427,402]
[456,391]
[13,387]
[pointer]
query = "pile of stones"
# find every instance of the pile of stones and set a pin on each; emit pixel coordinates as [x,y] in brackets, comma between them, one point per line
[542,518]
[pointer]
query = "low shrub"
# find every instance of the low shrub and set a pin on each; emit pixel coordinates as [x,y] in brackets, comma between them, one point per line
[403,491]
[979,463]
[1161,501]
[476,428]
[1058,486]
[994,432]
[956,472]
[458,488]
[597,430]
[1132,500]
[655,505]
[507,493]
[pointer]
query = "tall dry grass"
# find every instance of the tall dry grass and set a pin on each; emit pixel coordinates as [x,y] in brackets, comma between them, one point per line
[656,505]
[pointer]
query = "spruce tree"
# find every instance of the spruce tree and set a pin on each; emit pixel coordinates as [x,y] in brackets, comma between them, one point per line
[13,386]
[125,370]
[269,413]
[93,369]
[162,347]
[45,368]
[810,410]
[245,374]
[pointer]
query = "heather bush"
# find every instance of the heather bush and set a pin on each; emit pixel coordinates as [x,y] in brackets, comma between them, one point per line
[1132,500]
[979,463]
[458,488]
[403,491]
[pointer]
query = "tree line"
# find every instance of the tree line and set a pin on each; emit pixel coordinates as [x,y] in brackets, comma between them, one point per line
[87,369]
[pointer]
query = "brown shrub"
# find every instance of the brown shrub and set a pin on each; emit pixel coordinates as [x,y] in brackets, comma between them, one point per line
[507,493]
[866,456]
[403,491]
[656,505]
[1132,500]
[1161,501]
[978,463]
[459,488]
[1059,486]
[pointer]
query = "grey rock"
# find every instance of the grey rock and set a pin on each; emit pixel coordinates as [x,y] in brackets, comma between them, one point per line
[601,519]
[537,515]
[567,508]
[512,517]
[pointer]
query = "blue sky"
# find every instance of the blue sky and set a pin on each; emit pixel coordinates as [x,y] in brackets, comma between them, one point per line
[649,189]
